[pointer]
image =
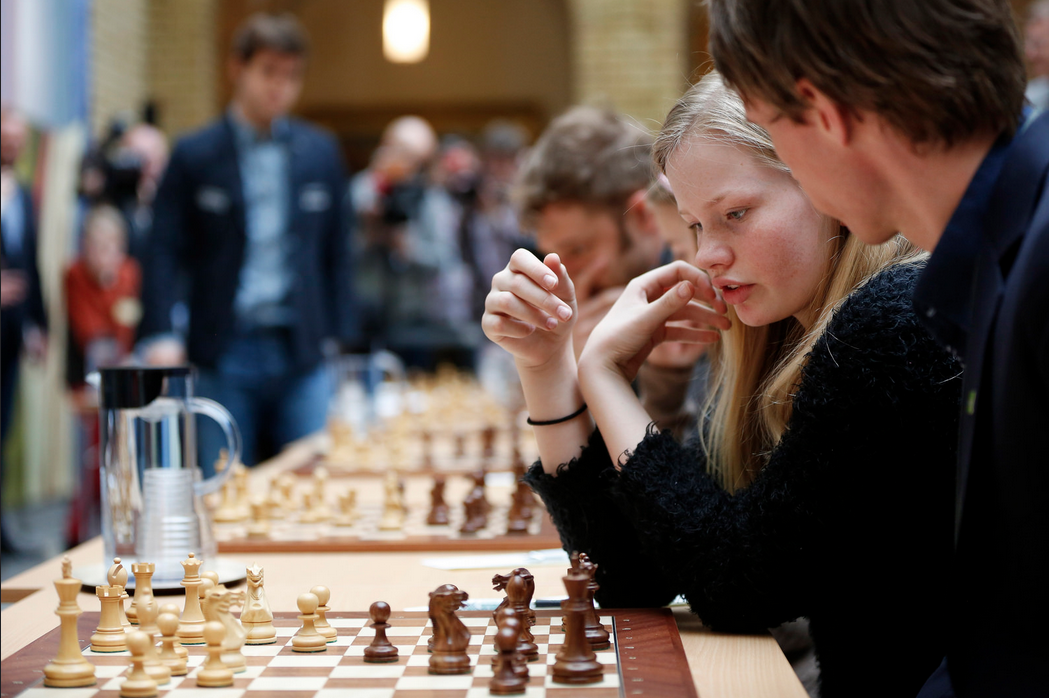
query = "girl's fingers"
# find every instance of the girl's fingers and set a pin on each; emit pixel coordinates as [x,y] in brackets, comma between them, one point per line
[529,291]
[698,314]
[508,304]
[498,327]
[524,262]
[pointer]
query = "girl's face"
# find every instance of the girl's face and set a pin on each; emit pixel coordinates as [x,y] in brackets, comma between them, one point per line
[758,236]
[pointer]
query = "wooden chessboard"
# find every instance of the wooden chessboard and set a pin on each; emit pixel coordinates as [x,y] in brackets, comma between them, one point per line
[289,535]
[646,659]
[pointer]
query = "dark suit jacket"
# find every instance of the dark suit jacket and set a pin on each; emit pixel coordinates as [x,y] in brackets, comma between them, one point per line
[199,229]
[13,319]
[1000,644]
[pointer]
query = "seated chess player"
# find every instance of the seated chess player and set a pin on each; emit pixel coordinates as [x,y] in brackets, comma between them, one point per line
[803,494]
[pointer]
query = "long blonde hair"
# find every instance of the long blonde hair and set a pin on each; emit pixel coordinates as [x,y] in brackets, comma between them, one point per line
[756,370]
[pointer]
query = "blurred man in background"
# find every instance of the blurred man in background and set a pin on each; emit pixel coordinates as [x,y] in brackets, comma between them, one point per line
[23,320]
[583,190]
[252,208]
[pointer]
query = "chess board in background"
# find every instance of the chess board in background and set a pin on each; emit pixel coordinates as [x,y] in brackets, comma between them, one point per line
[288,533]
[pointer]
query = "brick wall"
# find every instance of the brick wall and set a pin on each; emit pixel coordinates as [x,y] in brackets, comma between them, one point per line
[120,63]
[183,62]
[630,55]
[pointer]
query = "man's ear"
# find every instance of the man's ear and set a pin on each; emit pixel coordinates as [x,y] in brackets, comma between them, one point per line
[639,213]
[831,119]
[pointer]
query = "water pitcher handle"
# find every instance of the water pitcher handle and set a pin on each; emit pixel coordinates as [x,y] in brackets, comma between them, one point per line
[210,408]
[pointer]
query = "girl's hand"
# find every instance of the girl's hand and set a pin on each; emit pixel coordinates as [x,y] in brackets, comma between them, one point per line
[531,309]
[662,305]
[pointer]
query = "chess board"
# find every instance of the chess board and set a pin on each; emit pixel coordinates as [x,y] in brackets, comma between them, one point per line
[646,659]
[287,534]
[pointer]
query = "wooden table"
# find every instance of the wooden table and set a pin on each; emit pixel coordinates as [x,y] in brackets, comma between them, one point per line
[722,666]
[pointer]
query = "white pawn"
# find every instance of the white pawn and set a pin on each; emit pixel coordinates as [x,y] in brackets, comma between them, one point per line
[307,639]
[323,594]
[169,657]
[138,683]
[173,609]
[214,674]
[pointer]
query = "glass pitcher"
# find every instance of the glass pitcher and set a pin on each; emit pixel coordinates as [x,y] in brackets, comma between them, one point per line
[152,487]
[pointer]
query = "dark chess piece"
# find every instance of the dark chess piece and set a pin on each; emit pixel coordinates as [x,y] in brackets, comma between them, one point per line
[519,598]
[576,662]
[475,508]
[596,633]
[508,616]
[433,623]
[506,679]
[488,442]
[427,439]
[460,445]
[450,636]
[519,518]
[381,650]
[438,515]
[479,488]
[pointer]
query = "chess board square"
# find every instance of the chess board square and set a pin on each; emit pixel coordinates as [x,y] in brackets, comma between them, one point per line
[368,671]
[42,692]
[288,683]
[260,650]
[342,641]
[355,693]
[539,629]
[394,631]
[471,622]
[347,622]
[317,660]
[433,682]
[107,671]
[197,692]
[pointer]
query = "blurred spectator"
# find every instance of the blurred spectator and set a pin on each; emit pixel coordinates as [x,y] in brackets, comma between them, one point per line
[252,208]
[490,231]
[102,295]
[23,320]
[124,171]
[410,271]
[1036,47]
[582,190]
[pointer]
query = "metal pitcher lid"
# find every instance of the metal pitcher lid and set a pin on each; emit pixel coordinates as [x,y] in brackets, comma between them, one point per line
[131,387]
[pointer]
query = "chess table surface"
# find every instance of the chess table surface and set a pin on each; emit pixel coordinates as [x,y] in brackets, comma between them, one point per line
[722,665]
[646,659]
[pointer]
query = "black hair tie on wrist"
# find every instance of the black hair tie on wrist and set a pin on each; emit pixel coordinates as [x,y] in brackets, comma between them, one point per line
[549,422]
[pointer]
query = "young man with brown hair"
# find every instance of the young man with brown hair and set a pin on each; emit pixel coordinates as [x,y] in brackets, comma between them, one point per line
[908,116]
[251,210]
[582,190]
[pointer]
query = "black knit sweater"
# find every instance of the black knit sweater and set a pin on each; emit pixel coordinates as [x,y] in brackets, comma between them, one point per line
[849,523]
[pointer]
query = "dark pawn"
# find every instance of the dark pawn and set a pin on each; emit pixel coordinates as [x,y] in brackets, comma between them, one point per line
[506,680]
[438,515]
[596,633]
[488,442]
[507,616]
[520,515]
[381,650]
